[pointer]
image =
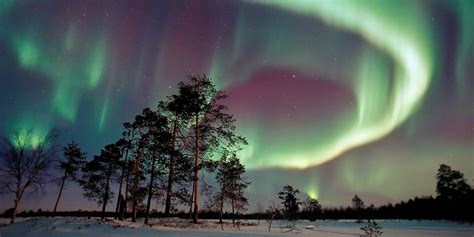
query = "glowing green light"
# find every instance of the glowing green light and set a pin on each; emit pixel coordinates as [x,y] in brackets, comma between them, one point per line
[466,47]
[28,52]
[30,132]
[64,101]
[70,37]
[35,140]
[410,48]
[96,65]
[103,114]
[5,4]
[71,68]
[215,72]
[312,191]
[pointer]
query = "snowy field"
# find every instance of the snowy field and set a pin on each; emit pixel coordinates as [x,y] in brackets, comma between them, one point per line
[75,227]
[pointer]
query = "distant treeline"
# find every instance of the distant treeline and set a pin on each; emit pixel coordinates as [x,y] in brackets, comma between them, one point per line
[419,208]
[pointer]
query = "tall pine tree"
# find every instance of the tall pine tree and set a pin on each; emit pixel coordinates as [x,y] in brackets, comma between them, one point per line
[211,127]
[97,176]
[232,184]
[174,109]
[290,201]
[74,160]
[158,148]
[124,166]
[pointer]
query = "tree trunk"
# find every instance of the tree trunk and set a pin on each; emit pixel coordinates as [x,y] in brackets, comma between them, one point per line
[221,211]
[119,196]
[15,209]
[150,190]
[169,189]
[191,200]
[270,225]
[106,197]
[196,171]
[233,212]
[59,195]
[127,181]
[135,184]
[222,207]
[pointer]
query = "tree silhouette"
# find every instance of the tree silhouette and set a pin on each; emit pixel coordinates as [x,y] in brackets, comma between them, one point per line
[25,164]
[174,109]
[237,185]
[124,145]
[372,229]
[211,127]
[358,205]
[183,134]
[232,184]
[97,175]
[290,201]
[451,184]
[272,212]
[313,209]
[159,149]
[130,169]
[137,191]
[74,160]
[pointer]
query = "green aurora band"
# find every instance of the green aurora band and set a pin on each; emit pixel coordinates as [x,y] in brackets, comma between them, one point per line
[410,48]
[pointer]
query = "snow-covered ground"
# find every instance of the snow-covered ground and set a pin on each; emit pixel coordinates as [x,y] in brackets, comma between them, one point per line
[75,227]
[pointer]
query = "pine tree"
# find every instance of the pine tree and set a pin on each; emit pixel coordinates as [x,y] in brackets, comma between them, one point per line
[129,167]
[451,184]
[124,167]
[211,127]
[97,176]
[314,209]
[136,190]
[232,184]
[290,201]
[159,149]
[173,109]
[74,159]
[358,205]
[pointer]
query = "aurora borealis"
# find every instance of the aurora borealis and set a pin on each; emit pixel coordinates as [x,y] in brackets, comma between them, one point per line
[335,97]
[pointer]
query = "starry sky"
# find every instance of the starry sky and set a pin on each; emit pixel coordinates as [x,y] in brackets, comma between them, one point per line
[334,97]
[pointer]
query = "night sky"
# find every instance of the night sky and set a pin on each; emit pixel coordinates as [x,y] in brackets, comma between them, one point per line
[334,97]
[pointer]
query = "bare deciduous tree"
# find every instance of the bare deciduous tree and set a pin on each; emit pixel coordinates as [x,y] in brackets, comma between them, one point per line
[272,212]
[25,162]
